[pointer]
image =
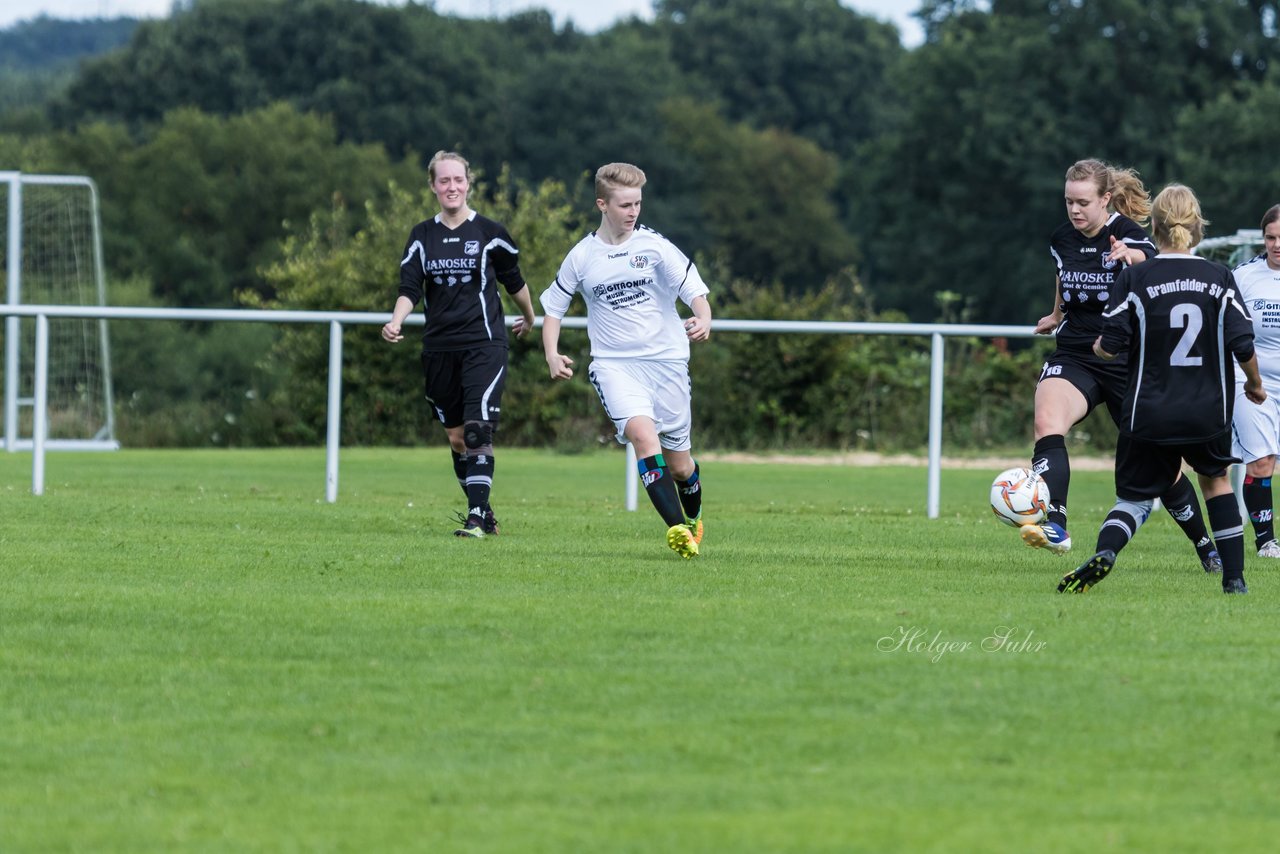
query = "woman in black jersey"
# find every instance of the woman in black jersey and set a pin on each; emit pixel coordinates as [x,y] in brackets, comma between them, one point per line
[1102,235]
[1183,325]
[453,263]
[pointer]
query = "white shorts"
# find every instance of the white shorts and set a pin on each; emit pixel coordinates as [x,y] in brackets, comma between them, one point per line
[1255,429]
[657,389]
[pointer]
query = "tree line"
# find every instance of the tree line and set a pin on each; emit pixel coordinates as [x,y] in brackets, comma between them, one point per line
[794,146]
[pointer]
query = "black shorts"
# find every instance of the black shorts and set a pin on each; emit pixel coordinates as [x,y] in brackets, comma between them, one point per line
[465,385]
[1146,470]
[1098,380]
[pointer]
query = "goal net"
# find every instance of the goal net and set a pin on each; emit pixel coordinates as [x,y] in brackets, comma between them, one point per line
[52,255]
[1231,249]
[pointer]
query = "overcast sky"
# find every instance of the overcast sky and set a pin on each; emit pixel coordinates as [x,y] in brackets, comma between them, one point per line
[590,15]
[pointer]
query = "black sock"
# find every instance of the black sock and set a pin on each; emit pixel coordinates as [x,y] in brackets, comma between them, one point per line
[1228,533]
[1049,460]
[460,469]
[1181,502]
[690,494]
[661,487]
[1121,524]
[479,480]
[1257,500]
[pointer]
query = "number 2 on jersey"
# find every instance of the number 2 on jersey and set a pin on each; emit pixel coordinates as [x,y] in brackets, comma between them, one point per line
[1187,317]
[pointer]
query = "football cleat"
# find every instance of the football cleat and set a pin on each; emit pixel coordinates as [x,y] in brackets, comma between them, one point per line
[472,525]
[1212,562]
[680,539]
[1234,585]
[1269,549]
[490,525]
[1096,568]
[1047,535]
[695,528]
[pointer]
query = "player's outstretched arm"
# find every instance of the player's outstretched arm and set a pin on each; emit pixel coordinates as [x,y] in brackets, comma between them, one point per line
[698,327]
[1101,353]
[557,365]
[1053,319]
[391,331]
[1126,255]
[1253,380]
[523,325]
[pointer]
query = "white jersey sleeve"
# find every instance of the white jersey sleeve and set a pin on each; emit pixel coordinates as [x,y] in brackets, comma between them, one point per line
[681,273]
[1260,289]
[557,298]
[630,290]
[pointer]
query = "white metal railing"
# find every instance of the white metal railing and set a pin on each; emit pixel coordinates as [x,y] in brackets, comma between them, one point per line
[337,319]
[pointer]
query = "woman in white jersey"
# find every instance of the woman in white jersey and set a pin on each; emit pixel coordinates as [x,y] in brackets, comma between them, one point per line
[1256,429]
[630,278]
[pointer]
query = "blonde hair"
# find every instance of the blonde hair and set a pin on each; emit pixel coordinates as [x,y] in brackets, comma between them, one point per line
[1128,195]
[1176,219]
[447,155]
[615,176]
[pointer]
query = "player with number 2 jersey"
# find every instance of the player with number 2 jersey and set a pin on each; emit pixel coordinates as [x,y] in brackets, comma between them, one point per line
[1181,323]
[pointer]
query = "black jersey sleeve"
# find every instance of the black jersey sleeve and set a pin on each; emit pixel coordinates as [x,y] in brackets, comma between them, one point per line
[413,266]
[1118,316]
[506,262]
[1131,234]
[1237,325]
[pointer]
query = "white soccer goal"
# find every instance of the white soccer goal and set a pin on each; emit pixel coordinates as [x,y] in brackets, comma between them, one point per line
[51,233]
[1231,249]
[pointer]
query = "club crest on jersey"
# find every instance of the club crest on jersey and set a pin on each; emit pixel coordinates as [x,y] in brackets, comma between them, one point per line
[639,262]
[1107,261]
[471,247]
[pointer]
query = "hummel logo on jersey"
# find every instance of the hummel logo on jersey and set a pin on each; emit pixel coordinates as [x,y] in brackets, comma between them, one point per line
[618,255]
[472,247]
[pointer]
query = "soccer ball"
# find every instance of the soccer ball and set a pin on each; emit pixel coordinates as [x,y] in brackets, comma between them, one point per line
[1019,497]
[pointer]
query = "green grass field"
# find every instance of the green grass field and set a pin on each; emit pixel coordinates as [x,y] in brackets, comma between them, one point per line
[198,653]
